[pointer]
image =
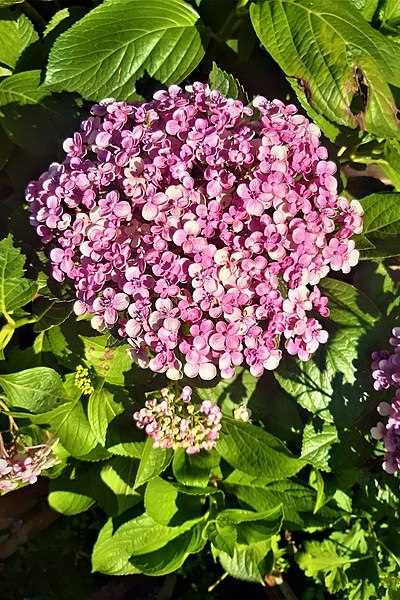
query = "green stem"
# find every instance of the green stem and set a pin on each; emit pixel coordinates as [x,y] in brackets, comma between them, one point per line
[34,15]
[25,321]
[220,580]
[6,411]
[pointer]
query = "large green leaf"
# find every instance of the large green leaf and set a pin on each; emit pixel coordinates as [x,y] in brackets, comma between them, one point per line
[69,503]
[339,66]
[15,289]
[16,33]
[113,363]
[131,38]
[172,556]
[381,214]
[167,506]
[348,305]
[298,501]
[102,409]
[70,424]
[317,382]
[255,451]
[153,462]
[194,469]
[80,487]
[36,390]
[249,526]
[50,312]
[111,553]
[381,230]
[249,563]
[22,88]
[123,439]
[142,535]
[391,164]
[366,7]
[119,475]
[317,442]
[72,495]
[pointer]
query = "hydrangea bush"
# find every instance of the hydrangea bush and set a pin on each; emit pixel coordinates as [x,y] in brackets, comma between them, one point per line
[193,281]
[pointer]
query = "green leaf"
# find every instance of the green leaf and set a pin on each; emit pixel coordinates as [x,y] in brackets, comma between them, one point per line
[225,83]
[69,503]
[81,486]
[70,424]
[329,560]
[22,88]
[348,305]
[111,553]
[153,462]
[102,409]
[119,475]
[315,383]
[338,64]
[16,34]
[254,451]
[317,443]
[172,556]
[381,214]
[167,506]
[317,482]
[389,15]
[391,165]
[50,312]
[62,20]
[123,439]
[381,225]
[160,501]
[366,7]
[131,38]
[4,3]
[250,527]
[248,563]
[15,289]
[298,501]
[36,390]
[194,469]
[230,393]
[112,363]
[142,535]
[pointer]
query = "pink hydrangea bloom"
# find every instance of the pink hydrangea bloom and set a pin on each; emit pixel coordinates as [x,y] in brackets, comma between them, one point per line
[21,465]
[386,374]
[198,229]
[175,422]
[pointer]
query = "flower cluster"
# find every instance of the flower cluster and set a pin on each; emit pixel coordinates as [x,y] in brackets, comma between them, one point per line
[175,422]
[198,229]
[82,380]
[242,413]
[21,465]
[386,374]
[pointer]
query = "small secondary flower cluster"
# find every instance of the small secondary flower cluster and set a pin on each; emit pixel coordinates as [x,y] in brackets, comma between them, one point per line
[198,229]
[21,465]
[386,374]
[176,422]
[82,380]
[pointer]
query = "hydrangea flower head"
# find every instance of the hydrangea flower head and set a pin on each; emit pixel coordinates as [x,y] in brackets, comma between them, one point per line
[198,229]
[386,374]
[176,422]
[21,465]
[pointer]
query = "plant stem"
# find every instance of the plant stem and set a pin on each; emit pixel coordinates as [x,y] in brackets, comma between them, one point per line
[220,580]
[33,14]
